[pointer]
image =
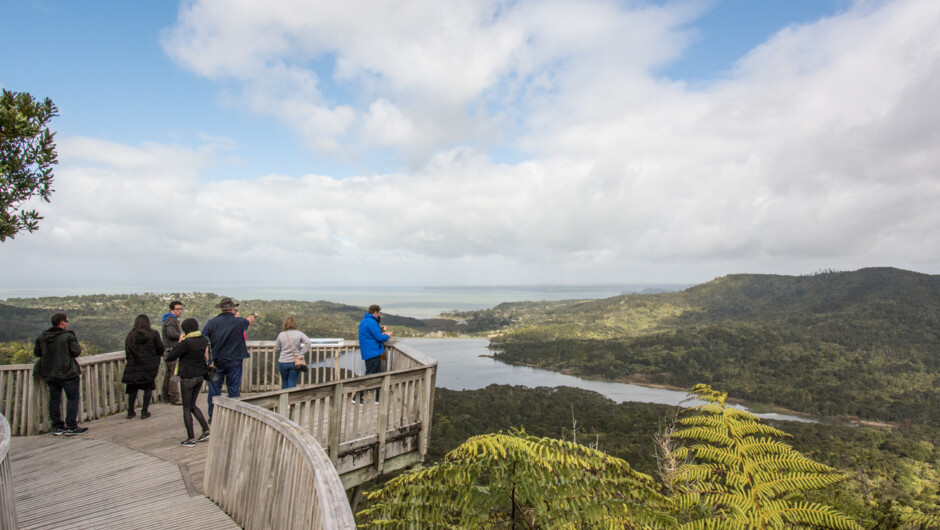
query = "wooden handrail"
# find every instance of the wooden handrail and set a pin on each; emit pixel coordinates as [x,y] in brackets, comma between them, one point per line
[24,398]
[7,508]
[265,471]
[365,441]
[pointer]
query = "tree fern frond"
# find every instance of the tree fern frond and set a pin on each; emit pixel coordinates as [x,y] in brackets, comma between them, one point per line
[742,473]
[551,481]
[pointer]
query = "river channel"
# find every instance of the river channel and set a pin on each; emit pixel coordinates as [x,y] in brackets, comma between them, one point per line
[464,364]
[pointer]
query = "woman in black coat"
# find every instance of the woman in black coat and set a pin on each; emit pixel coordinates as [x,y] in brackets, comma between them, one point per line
[193,355]
[143,350]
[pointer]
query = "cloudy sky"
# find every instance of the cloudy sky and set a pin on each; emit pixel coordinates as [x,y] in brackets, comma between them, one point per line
[436,142]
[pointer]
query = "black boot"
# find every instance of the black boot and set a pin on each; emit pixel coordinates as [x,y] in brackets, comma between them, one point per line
[131,398]
[144,413]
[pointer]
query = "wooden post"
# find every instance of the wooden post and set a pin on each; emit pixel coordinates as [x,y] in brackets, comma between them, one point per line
[283,405]
[381,423]
[336,419]
[425,414]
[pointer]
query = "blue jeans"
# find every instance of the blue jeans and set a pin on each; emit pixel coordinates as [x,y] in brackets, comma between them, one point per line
[230,372]
[289,374]
[71,388]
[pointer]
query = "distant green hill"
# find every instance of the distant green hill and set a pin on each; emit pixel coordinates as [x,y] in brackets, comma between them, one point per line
[102,321]
[863,343]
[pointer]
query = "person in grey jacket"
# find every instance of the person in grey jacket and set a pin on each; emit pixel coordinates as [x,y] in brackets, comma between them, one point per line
[57,348]
[290,343]
[171,331]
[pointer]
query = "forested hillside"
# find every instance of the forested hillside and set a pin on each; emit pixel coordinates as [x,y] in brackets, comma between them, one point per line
[863,343]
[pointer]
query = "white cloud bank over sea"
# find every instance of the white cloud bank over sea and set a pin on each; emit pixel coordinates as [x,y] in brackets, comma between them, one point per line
[533,142]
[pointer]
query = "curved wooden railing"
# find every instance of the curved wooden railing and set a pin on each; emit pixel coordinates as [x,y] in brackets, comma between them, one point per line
[377,437]
[7,509]
[265,471]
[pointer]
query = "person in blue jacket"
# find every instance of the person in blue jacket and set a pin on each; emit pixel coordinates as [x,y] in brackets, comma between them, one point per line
[372,339]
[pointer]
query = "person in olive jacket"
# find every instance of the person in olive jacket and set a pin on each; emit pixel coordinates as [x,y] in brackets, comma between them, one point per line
[143,350]
[57,349]
[193,355]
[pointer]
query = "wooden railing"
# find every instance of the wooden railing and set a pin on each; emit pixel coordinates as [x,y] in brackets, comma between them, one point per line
[7,509]
[364,441]
[24,399]
[265,471]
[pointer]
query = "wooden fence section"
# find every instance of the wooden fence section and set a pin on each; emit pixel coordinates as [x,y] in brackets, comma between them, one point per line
[24,399]
[390,431]
[267,472]
[7,508]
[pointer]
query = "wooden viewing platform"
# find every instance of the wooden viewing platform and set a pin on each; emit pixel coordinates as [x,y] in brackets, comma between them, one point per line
[277,458]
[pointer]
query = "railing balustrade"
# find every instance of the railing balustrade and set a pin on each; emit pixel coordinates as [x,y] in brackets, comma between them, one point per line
[7,509]
[24,399]
[267,472]
[380,436]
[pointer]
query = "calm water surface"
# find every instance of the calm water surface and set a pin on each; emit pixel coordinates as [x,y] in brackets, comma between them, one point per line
[461,367]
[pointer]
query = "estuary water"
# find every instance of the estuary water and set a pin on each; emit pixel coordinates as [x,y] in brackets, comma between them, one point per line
[462,366]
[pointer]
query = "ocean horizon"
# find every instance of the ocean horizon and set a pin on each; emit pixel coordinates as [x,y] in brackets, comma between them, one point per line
[410,301]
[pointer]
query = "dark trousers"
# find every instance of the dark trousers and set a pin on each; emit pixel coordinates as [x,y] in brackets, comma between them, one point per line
[189,391]
[373,366]
[71,388]
[230,371]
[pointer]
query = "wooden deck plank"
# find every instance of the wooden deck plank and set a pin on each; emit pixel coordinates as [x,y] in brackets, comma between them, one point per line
[124,473]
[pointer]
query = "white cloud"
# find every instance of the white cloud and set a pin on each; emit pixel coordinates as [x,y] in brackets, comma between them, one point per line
[818,150]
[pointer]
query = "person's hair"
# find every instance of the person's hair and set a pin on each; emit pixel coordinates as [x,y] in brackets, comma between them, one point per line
[289,323]
[142,326]
[58,318]
[175,303]
[373,309]
[142,322]
[189,325]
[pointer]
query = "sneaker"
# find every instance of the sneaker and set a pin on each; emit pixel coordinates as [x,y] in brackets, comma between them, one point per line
[144,414]
[203,437]
[188,443]
[59,431]
[76,430]
[131,414]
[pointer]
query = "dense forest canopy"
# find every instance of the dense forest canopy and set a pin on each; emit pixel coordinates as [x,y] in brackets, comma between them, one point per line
[863,343]
[892,471]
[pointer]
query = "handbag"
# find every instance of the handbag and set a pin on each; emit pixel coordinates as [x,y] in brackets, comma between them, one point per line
[299,362]
[211,375]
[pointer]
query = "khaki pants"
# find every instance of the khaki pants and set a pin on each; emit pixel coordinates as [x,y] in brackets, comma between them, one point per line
[170,391]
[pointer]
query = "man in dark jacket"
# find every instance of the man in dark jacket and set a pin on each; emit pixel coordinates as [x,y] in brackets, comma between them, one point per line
[57,349]
[226,334]
[171,332]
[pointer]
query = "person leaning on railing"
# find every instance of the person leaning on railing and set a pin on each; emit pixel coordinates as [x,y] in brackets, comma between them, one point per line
[372,344]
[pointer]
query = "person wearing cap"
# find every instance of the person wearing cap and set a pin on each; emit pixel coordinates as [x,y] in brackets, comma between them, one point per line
[226,334]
